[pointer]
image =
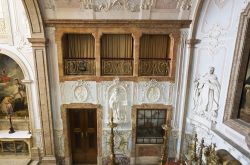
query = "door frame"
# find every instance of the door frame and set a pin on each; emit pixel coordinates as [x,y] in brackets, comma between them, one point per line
[65,108]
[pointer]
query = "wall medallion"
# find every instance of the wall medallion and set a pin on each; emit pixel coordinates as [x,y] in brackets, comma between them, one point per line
[153,94]
[81,91]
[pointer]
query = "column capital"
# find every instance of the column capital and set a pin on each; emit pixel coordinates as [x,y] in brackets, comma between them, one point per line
[25,81]
[192,42]
[37,42]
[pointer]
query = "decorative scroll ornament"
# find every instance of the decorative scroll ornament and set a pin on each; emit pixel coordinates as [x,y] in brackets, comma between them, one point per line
[86,4]
[206,96]
[49,4]
[3,29]
[184,4]
[59,143]
[79,66]
[121,142]
[107,5]
[154,67]
[81,91]
[147,4]
[117,67]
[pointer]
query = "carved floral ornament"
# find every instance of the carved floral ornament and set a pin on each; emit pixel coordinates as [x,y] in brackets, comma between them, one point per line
[129,5]
[214,37]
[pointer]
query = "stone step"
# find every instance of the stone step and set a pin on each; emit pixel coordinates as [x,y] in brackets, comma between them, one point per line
[14,161]
[34,162]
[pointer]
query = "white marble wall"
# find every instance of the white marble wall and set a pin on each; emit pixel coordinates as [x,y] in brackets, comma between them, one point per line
[135,93]
[217,30]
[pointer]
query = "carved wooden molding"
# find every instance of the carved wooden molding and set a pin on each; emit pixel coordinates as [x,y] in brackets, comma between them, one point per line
[119,23]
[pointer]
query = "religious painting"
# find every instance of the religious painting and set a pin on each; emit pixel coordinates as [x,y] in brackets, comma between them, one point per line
[244,112]
[13,99]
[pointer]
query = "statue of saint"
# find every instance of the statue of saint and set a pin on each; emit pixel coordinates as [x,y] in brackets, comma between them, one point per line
[206,95]
[117,105]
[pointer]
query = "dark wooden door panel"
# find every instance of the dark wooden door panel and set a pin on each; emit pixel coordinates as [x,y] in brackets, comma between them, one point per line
[83,130]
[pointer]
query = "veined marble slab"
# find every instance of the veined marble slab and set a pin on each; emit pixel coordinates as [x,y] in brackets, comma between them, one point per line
[16,135]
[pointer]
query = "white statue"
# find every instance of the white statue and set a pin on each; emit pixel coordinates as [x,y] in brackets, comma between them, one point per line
[206,95]
[117,105]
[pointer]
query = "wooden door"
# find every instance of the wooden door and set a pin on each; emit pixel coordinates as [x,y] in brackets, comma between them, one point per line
[83,135]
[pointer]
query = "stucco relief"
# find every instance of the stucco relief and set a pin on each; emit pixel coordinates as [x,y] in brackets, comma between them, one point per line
[172,143]
[81,92]
[5,28]
[151,92]
[49,4]
[165,4]
[116,96]
[117,101]
[122,143]
[146,4]
[38,138]
[214,38]
[206,96]
[203,132]
[59,144]
[220,3]
[22,30]
[217,7]
[107,5]
[184,4]
[78,92]
[118,104]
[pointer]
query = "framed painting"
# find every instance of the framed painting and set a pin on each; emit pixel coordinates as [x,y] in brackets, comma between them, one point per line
[13,99]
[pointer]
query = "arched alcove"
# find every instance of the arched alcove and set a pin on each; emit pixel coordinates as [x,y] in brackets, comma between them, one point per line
[13,95]
[26,79]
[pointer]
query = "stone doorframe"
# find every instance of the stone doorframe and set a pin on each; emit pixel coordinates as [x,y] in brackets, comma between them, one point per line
[65,119]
